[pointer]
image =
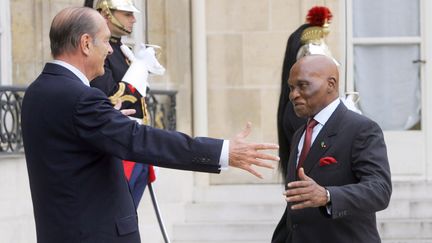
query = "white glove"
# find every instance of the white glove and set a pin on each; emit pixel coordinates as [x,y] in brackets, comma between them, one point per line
[141,64]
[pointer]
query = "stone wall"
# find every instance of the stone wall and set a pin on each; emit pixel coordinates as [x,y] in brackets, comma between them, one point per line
[246,42]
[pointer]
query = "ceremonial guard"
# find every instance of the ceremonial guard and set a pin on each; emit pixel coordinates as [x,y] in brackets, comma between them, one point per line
[125,84]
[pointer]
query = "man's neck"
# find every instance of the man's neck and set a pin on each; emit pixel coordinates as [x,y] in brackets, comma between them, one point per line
[75,61]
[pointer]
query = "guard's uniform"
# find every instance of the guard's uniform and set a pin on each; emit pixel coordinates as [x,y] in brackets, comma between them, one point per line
[110,83]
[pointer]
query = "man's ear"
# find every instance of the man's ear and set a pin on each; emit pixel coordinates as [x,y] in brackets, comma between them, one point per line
[85,43]
[332,84]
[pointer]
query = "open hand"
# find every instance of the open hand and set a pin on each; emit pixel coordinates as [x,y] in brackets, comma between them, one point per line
[305,193]
[244,155]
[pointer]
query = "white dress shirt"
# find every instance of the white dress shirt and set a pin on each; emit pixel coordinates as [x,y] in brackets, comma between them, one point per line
[322,117]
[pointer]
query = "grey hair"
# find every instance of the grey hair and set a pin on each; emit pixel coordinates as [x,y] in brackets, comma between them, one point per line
[68,26]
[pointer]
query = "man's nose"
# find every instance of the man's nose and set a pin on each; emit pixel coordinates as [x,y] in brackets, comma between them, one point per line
[110,50]
[293,94]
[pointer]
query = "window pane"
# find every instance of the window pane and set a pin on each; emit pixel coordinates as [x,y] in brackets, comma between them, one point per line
[386,18]
[389,84]
[1,61]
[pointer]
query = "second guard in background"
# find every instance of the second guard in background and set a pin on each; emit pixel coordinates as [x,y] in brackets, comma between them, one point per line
[127,87]
[307,39]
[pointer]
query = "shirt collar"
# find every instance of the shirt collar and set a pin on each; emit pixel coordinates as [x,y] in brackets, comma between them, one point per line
[323,116]
[73,69]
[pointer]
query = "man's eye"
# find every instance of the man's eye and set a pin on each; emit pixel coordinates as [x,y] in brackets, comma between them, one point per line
[302,85]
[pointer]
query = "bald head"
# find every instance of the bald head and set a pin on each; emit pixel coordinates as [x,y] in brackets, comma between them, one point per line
[314,84]
[319,64]
[69,25]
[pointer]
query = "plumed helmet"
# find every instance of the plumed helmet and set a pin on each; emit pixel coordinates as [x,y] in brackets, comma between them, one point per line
[312,38]
[123,5]
[107,6]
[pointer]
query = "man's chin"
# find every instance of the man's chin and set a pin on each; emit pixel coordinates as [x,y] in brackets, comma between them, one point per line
[299,112]
[100,73]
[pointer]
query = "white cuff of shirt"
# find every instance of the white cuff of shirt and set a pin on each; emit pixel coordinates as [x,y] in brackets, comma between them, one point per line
[328,206]
[224,157]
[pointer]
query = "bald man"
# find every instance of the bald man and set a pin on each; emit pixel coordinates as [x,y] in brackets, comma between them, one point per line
[74,141]
[338,172]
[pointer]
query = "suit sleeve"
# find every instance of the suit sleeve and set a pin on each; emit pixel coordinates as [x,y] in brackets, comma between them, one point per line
[371,167]
[108,131]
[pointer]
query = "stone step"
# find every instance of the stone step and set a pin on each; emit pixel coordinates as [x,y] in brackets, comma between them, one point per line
[412,189]
[224,232]
[406,241]
[234,241]
[393,231]
[407,208]
[231,241]
[251,212]
[269,193]
[272,193]
[232,212]
[405,229]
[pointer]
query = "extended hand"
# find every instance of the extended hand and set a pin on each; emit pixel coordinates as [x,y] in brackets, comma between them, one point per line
[243,154]
[125,112]
[305,193]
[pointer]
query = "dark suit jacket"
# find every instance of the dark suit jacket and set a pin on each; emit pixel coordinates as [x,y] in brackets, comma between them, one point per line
[74,141]
[359,183]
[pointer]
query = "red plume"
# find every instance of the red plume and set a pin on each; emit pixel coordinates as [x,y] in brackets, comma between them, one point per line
[318,15]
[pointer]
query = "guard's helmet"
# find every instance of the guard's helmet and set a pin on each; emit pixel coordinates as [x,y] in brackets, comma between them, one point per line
[312,38]
[124,5]
[107,6]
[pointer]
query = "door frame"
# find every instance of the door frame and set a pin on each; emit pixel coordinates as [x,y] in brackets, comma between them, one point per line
[408,156]
[5,44]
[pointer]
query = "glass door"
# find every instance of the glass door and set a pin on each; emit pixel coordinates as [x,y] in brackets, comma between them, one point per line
[386,53]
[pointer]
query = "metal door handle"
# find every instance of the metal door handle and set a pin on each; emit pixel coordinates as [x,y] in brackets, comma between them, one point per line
[419,61]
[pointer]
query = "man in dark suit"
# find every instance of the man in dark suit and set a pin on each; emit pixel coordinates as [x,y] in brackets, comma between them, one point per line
[74,141]
[336,185]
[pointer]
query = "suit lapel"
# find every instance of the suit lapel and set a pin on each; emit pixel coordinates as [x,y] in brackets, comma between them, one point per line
[324,139]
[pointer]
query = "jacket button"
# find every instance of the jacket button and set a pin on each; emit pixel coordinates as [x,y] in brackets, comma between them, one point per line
[294,226]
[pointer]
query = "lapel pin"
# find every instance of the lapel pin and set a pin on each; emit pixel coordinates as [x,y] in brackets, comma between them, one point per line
[323,145]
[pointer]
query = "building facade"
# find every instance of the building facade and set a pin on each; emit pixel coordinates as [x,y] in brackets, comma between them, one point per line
[224,58]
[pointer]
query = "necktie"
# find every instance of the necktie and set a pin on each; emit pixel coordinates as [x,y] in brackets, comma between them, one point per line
[307,142]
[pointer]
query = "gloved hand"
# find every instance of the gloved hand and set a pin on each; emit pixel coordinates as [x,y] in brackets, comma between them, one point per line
[141,64]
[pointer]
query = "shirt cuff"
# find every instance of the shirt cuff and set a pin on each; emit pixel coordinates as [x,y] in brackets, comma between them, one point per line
[224,157]
[328,205]
[329,209]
